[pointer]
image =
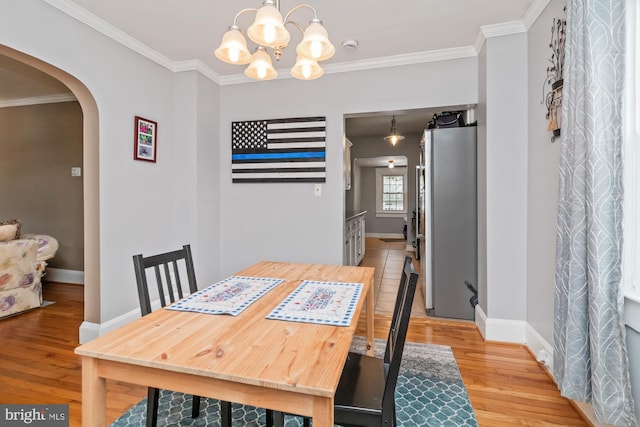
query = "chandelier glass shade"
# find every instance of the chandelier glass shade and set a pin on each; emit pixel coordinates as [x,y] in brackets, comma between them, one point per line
[268,31]
[393,136]
[260,67]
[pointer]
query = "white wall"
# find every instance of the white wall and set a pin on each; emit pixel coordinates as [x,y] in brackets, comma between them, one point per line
[286,221]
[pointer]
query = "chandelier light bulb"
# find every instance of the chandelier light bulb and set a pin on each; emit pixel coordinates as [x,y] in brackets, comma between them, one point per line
[234,54]
[261,70]
[316,49]
[269,33]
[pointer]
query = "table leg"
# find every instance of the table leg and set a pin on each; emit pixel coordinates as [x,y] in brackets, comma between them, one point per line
[94,394]
[370,324]
[323,412]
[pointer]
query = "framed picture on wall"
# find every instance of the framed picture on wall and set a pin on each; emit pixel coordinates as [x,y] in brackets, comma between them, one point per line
[145,140]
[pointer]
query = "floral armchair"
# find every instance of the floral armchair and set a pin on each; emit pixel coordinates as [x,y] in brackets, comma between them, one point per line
[22,263]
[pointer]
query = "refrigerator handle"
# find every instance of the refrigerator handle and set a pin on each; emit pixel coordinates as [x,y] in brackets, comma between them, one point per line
[418,235]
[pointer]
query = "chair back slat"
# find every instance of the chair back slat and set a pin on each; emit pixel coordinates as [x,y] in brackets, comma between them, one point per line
[166,267]
[178,282]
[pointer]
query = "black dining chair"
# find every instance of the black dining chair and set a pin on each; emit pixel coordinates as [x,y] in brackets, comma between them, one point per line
[366,391]
[167,267]
[365,394]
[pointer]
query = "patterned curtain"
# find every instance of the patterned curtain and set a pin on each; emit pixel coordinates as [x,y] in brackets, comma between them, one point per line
[590,354]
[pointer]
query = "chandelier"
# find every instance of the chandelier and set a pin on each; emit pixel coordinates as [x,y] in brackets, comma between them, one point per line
[394,136]
[268,31]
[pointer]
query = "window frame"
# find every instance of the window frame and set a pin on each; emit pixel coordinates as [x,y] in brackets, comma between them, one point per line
[396,171]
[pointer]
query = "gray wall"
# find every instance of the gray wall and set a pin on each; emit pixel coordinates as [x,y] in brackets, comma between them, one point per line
[39,145]
[542,181]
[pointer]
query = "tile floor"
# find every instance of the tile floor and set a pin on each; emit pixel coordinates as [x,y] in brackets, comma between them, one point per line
[388,260]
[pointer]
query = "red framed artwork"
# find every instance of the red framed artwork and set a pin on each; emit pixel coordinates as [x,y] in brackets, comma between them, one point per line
[145,140]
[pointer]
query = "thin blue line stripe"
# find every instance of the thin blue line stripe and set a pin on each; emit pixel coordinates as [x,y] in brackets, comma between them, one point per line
[301,155]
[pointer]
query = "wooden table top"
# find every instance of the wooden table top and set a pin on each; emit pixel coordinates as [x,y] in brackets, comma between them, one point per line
[247,348]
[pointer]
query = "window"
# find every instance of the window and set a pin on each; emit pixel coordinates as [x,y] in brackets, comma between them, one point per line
[631,248]
[391,192]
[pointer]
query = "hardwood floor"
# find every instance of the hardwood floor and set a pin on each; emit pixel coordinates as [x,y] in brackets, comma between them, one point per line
[388,260]
[506,385]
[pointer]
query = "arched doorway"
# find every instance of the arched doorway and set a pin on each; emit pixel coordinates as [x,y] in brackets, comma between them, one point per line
[91,184]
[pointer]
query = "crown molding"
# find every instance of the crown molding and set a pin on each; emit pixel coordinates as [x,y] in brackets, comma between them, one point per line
[199,66]
[36,100]
[497,30]
[532,13]
[370,64]
[535,9]
[397,60]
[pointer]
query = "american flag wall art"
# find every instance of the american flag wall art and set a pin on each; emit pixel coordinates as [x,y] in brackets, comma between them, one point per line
[279,150]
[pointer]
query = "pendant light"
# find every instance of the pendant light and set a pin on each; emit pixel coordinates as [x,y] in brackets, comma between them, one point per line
[394,136]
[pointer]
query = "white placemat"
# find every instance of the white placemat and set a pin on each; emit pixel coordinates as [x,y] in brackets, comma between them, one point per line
[326,303]
[229,296]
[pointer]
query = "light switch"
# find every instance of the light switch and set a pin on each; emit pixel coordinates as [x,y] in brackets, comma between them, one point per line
[317,190]
[76,171]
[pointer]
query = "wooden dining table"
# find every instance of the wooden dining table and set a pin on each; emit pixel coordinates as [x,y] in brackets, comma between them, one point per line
[288,366]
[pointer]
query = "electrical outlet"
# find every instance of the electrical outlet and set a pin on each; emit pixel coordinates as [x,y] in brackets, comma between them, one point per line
[76,171]
[317,190]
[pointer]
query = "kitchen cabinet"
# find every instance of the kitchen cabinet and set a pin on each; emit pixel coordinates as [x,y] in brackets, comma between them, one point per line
[354,232]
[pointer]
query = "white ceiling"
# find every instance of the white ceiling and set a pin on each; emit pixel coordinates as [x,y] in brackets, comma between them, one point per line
[387,32]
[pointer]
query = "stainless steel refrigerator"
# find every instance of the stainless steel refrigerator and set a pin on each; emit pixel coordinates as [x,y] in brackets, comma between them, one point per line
[446,220]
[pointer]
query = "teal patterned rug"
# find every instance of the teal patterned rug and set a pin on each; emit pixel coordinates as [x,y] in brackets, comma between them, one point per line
[430,392]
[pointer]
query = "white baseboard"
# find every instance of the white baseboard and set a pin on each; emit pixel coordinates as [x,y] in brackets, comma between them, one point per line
[63,276]
[538,346]
[385,235]
[90,330]
[481,321]
[512,331]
